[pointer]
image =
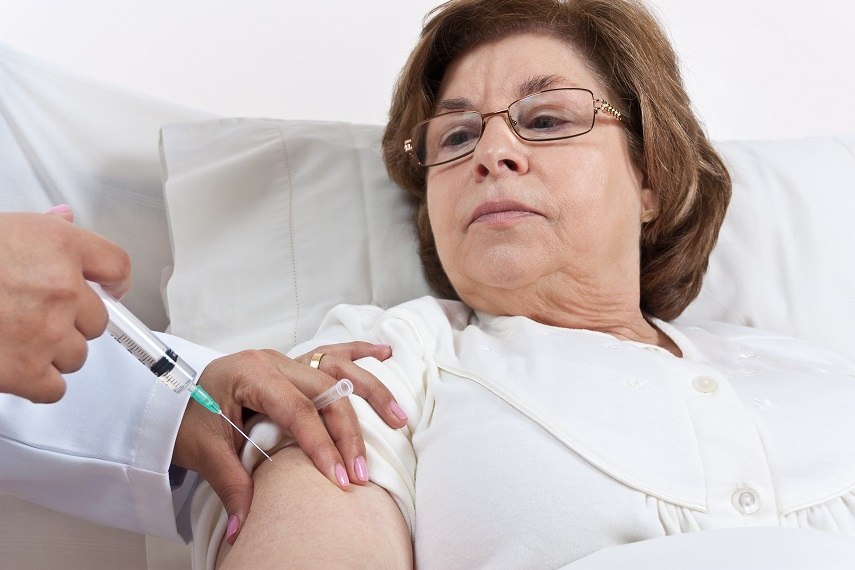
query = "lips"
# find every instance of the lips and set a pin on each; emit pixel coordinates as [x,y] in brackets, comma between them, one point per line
[500,211]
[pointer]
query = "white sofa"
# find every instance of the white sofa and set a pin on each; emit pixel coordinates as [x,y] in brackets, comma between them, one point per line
[234,242]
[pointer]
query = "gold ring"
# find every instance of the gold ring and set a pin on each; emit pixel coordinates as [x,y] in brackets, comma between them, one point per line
[315,362]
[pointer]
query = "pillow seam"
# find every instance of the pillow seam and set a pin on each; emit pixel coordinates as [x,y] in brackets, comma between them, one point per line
[287,166]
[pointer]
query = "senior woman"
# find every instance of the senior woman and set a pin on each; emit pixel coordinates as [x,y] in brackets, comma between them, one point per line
[568,201]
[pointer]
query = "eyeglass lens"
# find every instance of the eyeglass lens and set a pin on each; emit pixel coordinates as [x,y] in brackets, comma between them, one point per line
[548,115]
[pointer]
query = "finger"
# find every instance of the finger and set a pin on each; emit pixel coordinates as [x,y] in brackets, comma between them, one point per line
[205,444]
[71,353]
[104,262]
[342,424]
[92,318]
[62,211]
[310,381]
[230,480]
[367,386]
[286,405]
[351,351]
[341,421]
[45,388]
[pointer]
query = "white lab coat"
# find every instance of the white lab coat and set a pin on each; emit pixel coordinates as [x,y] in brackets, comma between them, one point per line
[103,452]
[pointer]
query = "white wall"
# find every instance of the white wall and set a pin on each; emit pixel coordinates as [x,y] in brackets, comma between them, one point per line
[755,68]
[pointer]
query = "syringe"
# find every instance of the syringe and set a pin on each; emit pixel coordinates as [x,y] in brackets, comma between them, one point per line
[163,362]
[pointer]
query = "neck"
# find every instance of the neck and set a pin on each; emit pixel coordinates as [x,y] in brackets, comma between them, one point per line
[614,314]
[613,310]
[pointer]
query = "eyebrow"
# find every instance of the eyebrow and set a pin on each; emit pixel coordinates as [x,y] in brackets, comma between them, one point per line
[455,104]
[538,83]
[534,84]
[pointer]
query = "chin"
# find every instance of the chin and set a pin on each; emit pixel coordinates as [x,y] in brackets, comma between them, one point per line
[496,276]
[502,268]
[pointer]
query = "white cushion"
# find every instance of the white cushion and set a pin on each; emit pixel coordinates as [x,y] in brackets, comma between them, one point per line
[783,258]
[273,222]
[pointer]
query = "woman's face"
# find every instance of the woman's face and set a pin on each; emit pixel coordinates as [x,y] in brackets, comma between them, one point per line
[518,221]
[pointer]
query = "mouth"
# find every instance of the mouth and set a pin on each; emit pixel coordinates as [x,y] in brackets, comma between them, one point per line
[500,212]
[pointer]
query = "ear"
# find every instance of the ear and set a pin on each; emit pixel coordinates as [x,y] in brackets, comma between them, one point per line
[649,202]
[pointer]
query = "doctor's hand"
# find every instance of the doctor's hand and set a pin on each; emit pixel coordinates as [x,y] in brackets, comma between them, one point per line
[47,310]
[267,381]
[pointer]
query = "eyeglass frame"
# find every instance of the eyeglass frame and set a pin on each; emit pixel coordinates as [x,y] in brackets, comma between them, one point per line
[599,105]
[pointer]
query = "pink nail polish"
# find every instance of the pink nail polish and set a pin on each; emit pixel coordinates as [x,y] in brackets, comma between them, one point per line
[360,468]
[341,475]
[232,527]
[396,409]
[59,209]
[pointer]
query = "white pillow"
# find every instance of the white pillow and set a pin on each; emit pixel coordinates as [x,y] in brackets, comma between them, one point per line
[783,261]
[273,222]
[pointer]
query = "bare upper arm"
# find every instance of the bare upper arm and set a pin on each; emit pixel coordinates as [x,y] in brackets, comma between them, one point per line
[299,519]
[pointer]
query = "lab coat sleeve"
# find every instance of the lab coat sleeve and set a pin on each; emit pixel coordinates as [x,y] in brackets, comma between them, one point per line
[103,452]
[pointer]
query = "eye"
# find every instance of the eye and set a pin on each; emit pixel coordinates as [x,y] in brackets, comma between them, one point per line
[547,120]
[460,135]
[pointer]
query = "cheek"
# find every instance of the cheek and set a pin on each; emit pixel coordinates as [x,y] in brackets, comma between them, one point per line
[436,215]
[440,215]
[442,206]
[579,193]
[597,204]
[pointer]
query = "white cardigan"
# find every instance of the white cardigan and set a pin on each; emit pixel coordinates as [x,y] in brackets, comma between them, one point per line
[533,446]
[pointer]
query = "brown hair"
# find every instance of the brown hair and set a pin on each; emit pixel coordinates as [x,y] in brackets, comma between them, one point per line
[628,51]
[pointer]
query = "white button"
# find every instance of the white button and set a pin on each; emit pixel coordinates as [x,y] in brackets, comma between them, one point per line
[705,384]
[745,501]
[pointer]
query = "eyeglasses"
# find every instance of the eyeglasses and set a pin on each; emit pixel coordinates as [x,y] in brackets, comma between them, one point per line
[549,115]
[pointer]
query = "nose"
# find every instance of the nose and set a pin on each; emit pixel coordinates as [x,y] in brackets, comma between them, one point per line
[500,150]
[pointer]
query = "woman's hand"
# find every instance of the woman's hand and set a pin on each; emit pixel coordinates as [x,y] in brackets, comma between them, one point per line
[269,382]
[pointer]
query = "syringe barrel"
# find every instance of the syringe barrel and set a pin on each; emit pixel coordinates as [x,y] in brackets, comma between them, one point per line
[131,333]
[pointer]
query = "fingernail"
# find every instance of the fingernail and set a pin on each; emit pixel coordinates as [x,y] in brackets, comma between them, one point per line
[361,469]
[59,209]
[232,528]
[396,409]
[341,475]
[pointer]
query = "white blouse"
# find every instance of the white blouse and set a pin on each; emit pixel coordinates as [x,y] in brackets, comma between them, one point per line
[532,446]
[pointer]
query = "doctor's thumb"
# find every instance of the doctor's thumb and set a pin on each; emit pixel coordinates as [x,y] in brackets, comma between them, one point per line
[233,485]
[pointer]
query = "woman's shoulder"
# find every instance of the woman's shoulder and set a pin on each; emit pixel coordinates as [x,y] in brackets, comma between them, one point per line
[427,308]
[425,320]
[772,343]
[433,309]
